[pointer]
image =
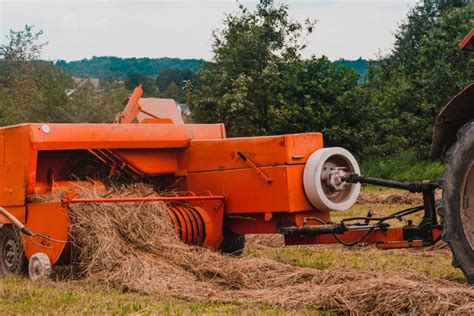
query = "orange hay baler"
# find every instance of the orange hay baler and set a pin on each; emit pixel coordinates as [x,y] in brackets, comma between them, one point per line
[216,189]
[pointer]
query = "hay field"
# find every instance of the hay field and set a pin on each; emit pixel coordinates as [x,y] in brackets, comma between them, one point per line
[269,279]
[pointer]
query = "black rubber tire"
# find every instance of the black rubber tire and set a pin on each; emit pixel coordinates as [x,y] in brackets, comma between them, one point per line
[233,244]
[460,162]
[12,255]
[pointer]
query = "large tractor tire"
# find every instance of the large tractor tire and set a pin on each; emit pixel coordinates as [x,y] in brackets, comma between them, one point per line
[457,207]
[12,256]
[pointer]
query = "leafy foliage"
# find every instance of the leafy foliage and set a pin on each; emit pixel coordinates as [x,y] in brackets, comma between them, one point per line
[168,84]
[32,90]
[425,70]
[150,89]
[115,68]
[23,45]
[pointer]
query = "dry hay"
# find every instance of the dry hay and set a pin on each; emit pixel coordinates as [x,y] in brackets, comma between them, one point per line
[131,246]
[394,198]
[265,240]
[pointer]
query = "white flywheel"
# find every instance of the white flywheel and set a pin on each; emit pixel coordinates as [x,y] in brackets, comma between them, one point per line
[322,179]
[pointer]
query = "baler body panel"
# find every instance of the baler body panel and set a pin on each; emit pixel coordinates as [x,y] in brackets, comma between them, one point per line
[247,193]
[215,166]
[121,136]
[15,158]
[264,151]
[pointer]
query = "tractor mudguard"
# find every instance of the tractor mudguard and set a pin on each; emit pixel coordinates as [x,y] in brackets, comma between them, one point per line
[455,114]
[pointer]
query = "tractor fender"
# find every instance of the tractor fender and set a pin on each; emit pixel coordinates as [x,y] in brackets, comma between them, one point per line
[455,114]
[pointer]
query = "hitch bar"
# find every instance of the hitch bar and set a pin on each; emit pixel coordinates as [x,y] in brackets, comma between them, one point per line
[414,187]
[314,229]
[426,187]
[424,234]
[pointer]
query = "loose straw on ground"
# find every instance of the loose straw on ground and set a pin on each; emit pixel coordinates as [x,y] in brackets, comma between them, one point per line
[132,246]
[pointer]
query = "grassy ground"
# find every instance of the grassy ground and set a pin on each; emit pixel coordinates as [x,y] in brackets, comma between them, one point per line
[404,166]
[21,296]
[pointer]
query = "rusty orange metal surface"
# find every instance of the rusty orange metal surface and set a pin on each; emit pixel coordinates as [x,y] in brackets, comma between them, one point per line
[212,214]
[49,219]
[18,211]
[247,192]
[468,41]
[132,108]
[208,155]
[261,223]
[119,136]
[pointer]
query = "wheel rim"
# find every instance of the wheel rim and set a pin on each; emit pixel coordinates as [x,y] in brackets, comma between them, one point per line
[11,253]
[334,162]
[40,266]
[467,205]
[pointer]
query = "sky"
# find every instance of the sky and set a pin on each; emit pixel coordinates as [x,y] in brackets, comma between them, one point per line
[81,29]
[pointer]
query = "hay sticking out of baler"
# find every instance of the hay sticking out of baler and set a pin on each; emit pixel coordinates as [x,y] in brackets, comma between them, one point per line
[132,246]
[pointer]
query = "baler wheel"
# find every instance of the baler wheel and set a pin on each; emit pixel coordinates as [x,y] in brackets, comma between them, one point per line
[12,255]
[39,267]
[457,207]
[233,244]
[322,179]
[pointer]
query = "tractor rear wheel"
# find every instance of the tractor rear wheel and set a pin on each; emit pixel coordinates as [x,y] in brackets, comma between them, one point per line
[12,256]
[457,207]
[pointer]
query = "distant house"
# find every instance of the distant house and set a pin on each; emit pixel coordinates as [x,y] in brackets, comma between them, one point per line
[79,82]
[184,109]
[82,81]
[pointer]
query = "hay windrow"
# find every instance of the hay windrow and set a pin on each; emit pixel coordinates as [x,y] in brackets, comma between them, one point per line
[131,246]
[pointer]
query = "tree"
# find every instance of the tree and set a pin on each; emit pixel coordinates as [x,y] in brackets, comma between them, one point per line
[317,95]
[33,90]
[233,88]
[423,72]
[176,75]
[22,45]
[150,89]
[90,106]
[173,92]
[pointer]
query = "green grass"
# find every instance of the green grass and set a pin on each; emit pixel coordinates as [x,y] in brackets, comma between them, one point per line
[405,166]
[20,296]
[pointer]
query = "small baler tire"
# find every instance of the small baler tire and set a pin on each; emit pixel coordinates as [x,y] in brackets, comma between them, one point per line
[460,163]
[11,241]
